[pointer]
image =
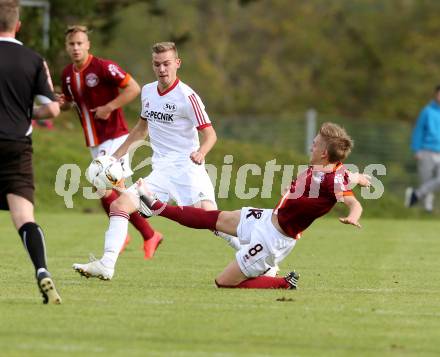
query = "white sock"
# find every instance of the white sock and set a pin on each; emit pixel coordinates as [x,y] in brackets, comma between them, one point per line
[114,239]
[41,270]
[231,240]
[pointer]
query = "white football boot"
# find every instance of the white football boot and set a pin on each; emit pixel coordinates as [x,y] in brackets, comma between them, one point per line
[147,200]
[94,269]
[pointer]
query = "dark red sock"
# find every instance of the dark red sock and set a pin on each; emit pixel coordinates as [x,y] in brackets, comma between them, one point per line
[142,225]
[106,201]
[188,216]
[263,282]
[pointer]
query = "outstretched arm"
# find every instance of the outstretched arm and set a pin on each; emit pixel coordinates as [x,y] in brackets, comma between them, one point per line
[139,132]
[127,94]
[355,211]
[359,179]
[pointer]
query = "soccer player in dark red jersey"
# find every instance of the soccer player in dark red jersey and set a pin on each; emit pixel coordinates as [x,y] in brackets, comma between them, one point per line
[268,235]
[99,88]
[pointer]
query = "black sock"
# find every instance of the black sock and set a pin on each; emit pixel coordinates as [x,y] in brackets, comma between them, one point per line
[33,240]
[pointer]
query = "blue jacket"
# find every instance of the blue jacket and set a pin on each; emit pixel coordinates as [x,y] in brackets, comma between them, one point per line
[426,133]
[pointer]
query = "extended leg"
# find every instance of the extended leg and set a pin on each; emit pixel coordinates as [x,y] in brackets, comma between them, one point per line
[231,240]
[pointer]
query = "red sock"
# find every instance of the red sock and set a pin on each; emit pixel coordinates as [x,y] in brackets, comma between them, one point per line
[188,216]
[142,225]
[106,201]
[263,282]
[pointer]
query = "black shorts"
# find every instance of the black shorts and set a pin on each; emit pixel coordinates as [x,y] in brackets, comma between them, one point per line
[16,171]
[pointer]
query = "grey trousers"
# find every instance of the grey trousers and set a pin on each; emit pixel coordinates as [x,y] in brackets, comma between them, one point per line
[429,174]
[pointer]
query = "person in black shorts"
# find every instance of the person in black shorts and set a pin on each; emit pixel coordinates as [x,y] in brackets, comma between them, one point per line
[24,76]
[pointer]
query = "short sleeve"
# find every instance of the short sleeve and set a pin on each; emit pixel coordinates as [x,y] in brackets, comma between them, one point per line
[44,86]
[197,113]
[144,104]
[115,74]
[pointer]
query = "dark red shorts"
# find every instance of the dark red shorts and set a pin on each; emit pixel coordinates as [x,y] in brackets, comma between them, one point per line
[16,171]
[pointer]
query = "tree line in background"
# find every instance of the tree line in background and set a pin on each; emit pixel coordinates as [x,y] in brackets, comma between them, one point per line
[355,58]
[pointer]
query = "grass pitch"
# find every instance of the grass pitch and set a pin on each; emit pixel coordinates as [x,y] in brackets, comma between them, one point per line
[368,292]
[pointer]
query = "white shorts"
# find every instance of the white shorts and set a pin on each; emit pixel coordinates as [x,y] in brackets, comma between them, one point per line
[263,246]
[108,147]
[183,182]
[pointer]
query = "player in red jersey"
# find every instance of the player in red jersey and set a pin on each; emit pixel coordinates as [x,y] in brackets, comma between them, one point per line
[99,88]
[267,236]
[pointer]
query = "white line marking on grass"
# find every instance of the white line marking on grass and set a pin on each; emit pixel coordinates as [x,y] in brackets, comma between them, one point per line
[65,348]
[181,353]
[396,290]
[403,313]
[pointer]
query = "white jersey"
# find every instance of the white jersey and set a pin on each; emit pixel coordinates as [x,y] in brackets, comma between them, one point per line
[174,117]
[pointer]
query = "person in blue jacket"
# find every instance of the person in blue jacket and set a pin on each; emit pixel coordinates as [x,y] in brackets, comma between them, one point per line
[426,147]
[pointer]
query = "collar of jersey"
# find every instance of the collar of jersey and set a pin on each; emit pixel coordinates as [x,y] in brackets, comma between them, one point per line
[10,39]
[337,166]
[176,82]
[319,168]
[89,59]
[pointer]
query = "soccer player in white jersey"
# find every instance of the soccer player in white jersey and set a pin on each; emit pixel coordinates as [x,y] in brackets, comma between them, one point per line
[173,115]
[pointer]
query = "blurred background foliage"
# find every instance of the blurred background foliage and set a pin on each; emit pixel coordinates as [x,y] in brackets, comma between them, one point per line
[259,65]
[361,58]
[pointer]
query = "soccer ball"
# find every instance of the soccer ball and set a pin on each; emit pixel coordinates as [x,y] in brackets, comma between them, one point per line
[105,172]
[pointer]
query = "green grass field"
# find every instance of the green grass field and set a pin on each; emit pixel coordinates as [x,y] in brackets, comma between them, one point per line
[368,292]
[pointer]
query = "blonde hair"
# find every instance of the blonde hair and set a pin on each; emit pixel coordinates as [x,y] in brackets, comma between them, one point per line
[164,47]
[75,29]
[338,143]
[9,14]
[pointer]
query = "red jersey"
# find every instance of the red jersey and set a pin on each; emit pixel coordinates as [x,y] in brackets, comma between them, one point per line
[311,196]
[96,84]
